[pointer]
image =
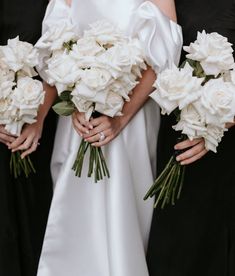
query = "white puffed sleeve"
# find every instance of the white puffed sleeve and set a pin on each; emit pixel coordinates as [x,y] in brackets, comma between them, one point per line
[57,12]
[160,37]
[57,27]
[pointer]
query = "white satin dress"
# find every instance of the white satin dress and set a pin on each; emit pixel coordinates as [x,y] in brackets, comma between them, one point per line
[102,229]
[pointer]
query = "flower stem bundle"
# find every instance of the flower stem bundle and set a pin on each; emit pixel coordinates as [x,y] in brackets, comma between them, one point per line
[97,163]
[19,165]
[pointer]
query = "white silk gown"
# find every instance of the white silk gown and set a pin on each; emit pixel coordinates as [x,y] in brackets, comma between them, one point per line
[102,229]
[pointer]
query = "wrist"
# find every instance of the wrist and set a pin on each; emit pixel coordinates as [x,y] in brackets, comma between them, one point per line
[124,120]
[40,121]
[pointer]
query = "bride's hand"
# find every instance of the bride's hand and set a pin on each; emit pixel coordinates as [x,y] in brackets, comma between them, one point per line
[105,129]
[28,140]
[196,151]
[5,137]
[80,124]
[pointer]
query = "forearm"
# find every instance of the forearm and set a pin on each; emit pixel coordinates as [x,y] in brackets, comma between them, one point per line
[167,7]
[50,97]
[229,125]
[140,96]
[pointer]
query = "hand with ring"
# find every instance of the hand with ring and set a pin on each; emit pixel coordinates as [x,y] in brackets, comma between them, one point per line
[196,150]
[99,131]
[28,140]
[102,136]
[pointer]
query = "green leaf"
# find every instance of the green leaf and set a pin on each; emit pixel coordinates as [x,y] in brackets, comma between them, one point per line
[191,62]
[69,45]
[64,108]
[66,95]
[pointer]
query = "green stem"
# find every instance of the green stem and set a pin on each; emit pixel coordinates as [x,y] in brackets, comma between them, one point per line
[19,165]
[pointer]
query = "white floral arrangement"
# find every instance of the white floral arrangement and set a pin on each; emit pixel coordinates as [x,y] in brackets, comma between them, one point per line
[202,94]
[20,94]
[94,74]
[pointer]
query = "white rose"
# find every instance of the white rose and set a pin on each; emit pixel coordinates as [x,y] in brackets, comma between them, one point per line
[8,115]
[63,69]
[82,91]
[86,46]
[86,62]
[28,94]
[6,88]
[6,83]
[213,137]
[15,127]
[229,76]
[213,51]
[233,76]
[20,55]
[176,88]
[57,35]
[124,86]
[136,70]
[3,66]
[122,58]
[129,82]
[137,54]
[191,123]
[5,105]
[104,61]
[218,100]
[83,106]
[96,78]
[104,33]
[112,107]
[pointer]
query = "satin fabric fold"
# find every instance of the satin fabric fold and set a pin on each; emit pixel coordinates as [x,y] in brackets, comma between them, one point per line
[160,36]
[102,229]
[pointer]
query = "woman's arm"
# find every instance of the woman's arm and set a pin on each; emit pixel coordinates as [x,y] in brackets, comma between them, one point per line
[111,127]
[167,7]
[28,140]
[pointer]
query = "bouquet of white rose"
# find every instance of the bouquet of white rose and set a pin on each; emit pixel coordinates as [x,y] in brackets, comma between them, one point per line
[202,94]
[94,74]
[20,94]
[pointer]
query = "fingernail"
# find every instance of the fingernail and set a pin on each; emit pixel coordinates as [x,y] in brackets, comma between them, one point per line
[175,147]
[182,163]
[87,132]
[178,158]
[91,126]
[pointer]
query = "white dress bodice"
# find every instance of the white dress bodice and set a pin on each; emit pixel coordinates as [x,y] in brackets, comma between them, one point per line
[118,12]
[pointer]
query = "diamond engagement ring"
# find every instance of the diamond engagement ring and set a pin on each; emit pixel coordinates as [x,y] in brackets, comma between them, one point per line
[36,143]
[102,136]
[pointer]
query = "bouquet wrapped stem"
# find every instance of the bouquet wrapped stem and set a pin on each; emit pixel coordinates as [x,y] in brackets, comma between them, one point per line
[97,163]
[19,165]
